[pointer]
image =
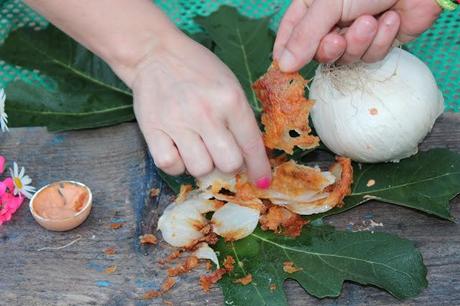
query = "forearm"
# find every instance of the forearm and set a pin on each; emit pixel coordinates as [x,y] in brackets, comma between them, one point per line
[121,32]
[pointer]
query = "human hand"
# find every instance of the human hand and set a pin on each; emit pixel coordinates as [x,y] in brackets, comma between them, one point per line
[194,114]
[348,30]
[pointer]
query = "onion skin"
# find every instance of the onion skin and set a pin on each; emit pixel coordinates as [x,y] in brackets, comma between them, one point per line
[376,112]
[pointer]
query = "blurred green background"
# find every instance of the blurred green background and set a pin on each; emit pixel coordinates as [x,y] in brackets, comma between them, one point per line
[439,47]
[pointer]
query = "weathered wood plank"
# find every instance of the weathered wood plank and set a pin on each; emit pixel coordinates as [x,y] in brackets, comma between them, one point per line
[113,162]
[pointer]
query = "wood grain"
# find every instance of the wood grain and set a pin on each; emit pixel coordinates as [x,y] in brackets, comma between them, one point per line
[114,163]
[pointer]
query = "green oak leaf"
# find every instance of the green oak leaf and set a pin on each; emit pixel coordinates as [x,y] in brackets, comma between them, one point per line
[425,182]
[174,182]
[83,92]
[243,44]
[326,258]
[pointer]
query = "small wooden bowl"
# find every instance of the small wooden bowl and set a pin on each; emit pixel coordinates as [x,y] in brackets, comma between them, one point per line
[66,224]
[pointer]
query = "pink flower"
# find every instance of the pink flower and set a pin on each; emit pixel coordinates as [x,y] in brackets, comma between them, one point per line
[9,204]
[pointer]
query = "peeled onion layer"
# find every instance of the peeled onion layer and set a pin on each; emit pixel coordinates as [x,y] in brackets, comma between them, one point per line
[181,223]
[234,222]
[204,251]
[375,112]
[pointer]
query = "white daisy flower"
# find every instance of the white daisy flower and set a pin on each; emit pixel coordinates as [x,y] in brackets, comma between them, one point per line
[21,182]
[3,115]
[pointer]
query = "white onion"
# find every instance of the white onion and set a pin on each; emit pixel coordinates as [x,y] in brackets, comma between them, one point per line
[234,222]
[376,112]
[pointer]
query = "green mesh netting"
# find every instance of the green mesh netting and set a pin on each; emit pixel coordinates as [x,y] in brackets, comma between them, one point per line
[439,47]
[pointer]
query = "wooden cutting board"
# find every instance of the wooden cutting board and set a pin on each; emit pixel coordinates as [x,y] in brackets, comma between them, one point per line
[114,163]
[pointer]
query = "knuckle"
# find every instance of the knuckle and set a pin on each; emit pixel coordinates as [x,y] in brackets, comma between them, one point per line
[166,161]
[198,170]
[230,97]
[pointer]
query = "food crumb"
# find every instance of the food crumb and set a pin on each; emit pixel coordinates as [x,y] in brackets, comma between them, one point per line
[373,111]
[190,263]
[110,269]
[370,183]
[228,263]
[154,192]
[168,284]
[152,294]
[148,239]
[288,267]
[116,225]
[206,281]
[110,251]
[244,280]
[169,303]
[272,287]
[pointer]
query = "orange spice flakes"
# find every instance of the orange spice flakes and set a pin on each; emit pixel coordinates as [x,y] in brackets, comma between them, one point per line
[168,284]
[207,281]
[285,110]
[165,287]
[148,239]
[171,257]
[289,267]
[110,269]
[116,226]
[208,265]
[228,263]
[151,294]
[110,251]
[154,192]
[244,280]
[190,263]
[183,193]
[280,220]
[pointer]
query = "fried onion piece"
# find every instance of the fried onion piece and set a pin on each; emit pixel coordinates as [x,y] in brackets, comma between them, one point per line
[280,220]
[190,263]
[148,239]
[285,110]
[207,281]
[228,263]
[289,267]
[291,182]
[343,171]
[244,280]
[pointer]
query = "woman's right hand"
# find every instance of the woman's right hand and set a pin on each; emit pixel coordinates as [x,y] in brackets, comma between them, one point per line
[194,114]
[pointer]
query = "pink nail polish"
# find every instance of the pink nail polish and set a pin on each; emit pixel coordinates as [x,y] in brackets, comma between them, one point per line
[263,183]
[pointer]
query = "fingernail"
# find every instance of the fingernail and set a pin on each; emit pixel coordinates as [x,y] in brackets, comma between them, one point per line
[391,19]
[365,29]
[332,52]
[263,183]
[287,60]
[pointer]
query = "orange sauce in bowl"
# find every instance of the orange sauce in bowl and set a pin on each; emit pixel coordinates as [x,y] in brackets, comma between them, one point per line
[60,201]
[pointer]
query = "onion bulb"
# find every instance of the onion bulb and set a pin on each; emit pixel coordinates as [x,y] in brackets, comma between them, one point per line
[375,112]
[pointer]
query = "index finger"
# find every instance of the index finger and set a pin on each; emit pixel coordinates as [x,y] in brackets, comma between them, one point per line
[304,40]
[244,128]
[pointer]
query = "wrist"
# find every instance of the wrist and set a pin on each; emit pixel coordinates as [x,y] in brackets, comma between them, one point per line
[126,54]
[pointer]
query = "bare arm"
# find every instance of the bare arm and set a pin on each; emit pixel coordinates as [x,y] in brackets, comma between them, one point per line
[121,32]
[190,107]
